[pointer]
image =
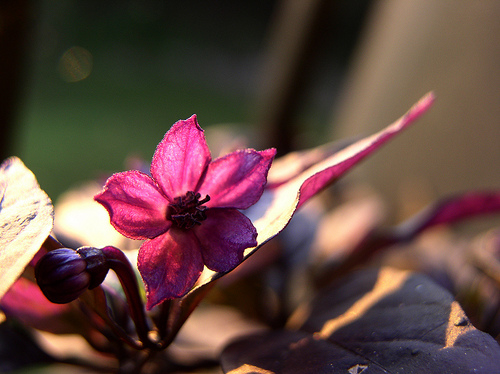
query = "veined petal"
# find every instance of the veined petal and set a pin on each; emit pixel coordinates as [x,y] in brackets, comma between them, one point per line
[169,265]
[181,158]
[224,236]
[136,207]
[237,180]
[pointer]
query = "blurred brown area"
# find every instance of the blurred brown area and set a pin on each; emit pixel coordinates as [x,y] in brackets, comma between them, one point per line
[308,47]
[412,47]
[293,46]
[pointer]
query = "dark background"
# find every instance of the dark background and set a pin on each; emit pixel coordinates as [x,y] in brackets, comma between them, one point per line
[150,63]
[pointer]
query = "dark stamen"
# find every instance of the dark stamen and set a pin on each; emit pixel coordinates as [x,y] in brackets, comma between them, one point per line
[188,210]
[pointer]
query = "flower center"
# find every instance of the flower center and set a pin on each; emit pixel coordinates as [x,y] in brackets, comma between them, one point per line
[188,210]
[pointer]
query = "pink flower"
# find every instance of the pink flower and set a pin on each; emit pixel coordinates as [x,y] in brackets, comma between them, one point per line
[188,209]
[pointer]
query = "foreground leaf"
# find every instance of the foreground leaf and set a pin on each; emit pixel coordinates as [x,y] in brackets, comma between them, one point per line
[26,218]
[377,321]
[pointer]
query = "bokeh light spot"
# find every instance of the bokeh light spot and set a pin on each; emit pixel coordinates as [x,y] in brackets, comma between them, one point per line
[75,64]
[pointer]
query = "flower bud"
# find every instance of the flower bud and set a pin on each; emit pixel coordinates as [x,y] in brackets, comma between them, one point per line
[64,274]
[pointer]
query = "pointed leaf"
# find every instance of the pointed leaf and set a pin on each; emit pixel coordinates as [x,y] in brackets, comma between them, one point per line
[382,321]
[450,210]
[277,205]
[26,218]
[271,214]
[446,211]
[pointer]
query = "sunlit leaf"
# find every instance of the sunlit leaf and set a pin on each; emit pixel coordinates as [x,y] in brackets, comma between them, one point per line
[277,205]
[26,218]
[381,321]
[272,213]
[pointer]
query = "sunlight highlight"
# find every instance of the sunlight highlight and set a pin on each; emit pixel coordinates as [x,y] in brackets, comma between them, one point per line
[458,323]
[388,282]
[246,368]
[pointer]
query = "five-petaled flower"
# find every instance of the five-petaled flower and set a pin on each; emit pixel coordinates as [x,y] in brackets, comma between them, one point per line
[188,209]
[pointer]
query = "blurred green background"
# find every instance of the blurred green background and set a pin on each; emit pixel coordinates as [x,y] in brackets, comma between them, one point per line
[291,73]
[132,68]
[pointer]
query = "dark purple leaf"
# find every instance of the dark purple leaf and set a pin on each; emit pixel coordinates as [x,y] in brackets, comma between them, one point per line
[26,218]
[450,210]
[381,321]
[447,211]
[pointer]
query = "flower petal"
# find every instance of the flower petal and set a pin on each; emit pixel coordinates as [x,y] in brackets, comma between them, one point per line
[136,207]
[181,158]
[237,180]
[169,265]
[224,236]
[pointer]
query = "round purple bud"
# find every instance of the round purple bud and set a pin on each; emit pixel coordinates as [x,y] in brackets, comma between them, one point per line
[64,274]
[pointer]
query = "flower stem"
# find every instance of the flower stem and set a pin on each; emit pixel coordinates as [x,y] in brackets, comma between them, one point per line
[162,321]
[93,305]
[181,309]
[119,263]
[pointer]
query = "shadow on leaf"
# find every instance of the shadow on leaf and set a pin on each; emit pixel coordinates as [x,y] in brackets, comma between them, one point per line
[375,321]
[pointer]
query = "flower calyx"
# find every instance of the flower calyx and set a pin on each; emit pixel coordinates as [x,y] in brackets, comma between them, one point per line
[97,264]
